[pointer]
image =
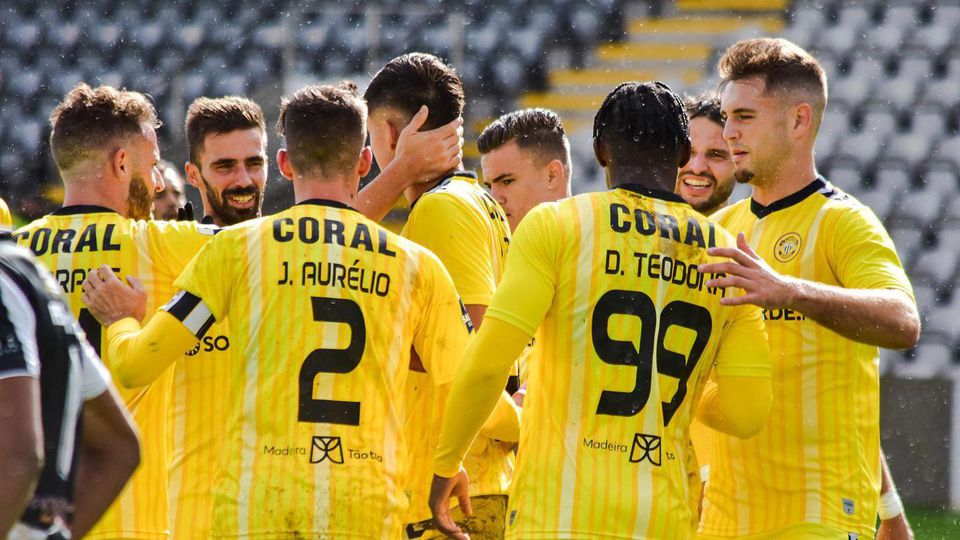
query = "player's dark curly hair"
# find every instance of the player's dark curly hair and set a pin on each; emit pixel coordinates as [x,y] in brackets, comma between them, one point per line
[642,123]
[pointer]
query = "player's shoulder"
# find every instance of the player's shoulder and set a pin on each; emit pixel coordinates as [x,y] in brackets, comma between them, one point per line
[731,212]
[177,228]
[844,210]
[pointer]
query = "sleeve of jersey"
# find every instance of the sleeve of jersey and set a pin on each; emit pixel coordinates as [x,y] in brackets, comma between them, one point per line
[529,279]
[94,378]
[441,224]
[476,390]
[444,333]
[864,256]
[743,350]
[18,332]
[174,243]
[203,278]
[141,355]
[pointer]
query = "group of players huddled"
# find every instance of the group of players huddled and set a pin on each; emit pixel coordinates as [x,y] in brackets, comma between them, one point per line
[638,369]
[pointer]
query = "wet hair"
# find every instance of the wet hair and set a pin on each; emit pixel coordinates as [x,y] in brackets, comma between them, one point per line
[325,128]
[705,106]
[782,65]
[537,131]
[216,116]
[90,120]
[410,81]
[643,125]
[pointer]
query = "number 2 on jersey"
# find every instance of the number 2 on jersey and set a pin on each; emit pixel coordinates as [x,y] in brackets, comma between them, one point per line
[671,363]
[328,411]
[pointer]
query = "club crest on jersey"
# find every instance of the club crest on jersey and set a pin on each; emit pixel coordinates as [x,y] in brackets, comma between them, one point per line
[787,247]
[324,448]
[645,448]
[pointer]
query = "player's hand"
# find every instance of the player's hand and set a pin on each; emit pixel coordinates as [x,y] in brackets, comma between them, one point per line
[185,213]
[440,492]
[109,300]
[895,528]
[762,285]
[425,155]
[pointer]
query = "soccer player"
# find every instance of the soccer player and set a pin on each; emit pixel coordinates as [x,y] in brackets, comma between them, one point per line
[706,181]
[832,289]
[51,385]
[167,203]
[105,146]
[525,158]
[455,218]
[325,306]
[227,146]
[626,333]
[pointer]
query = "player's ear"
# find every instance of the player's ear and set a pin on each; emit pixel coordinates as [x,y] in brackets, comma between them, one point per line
[802,118]
[555,174]
[601,153]
[120,163]
[283,164]
[394,135]
[192,172]
[683,155]
[366,162]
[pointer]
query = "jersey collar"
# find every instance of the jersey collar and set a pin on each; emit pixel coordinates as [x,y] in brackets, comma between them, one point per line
[762,211]
[82,209]
[326,202]
[653,193]
[445,179]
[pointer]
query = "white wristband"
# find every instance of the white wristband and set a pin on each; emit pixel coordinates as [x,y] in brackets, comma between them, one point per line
[890,505]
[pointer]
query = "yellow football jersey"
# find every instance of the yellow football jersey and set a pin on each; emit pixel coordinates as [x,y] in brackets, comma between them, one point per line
[817,459]
[467,229]
[622,353]
[324,306]
[70,242]
[196,420]
[6,220]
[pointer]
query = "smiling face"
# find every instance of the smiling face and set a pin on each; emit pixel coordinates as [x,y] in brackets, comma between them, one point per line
[517,182]
[755,128]
[232,175]
[706,181]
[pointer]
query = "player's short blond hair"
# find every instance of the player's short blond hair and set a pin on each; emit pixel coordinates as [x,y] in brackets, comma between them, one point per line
[781,64]
[90,120]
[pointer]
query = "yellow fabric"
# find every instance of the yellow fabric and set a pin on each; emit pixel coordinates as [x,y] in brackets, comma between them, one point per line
[467,229]
[806,531]
[575,477]
[817,460]
[736,405]
[71,244]
[6,220]
[300,289]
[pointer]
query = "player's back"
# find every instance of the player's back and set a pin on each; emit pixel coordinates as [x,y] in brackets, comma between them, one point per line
[323,306]
[71,242]
[619,364]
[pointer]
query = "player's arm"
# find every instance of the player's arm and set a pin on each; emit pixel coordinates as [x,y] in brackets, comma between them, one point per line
[21,429]
[529,275]
[893,520]
[421,157]
[884,317]
[109,454]
[737,399]
[138,356]
[21,447]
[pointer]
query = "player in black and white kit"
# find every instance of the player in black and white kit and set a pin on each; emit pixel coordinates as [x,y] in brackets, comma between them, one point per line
[61,423]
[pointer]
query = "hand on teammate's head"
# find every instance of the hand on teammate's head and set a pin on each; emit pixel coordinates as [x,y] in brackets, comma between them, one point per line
[109,300]
[425,155]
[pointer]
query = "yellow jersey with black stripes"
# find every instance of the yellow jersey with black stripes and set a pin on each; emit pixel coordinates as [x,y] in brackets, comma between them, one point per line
[324,308]
[622,353]
[70,242]
[468,231]
[817,458]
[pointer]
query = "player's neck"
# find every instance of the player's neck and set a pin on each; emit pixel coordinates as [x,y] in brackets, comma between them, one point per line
[646,179]
[92,193]
[331,189]
[790,177]
[414,192]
